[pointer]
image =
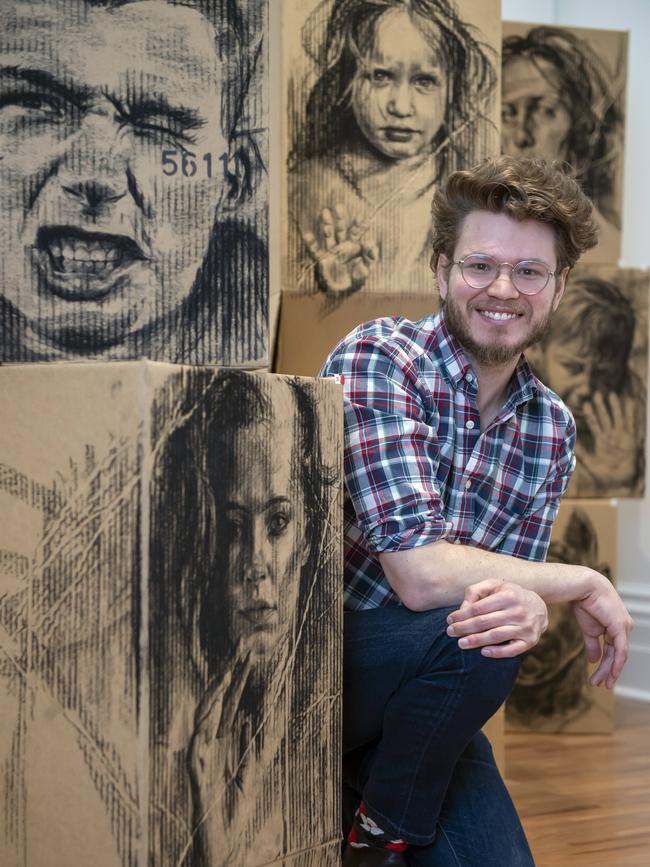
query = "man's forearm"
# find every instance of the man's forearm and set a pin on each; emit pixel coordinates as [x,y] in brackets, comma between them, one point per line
[437,575]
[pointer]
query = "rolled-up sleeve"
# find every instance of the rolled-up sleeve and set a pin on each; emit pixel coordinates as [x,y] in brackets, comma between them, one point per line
[392,452]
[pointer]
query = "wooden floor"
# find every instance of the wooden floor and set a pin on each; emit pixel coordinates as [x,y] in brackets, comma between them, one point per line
[585,799]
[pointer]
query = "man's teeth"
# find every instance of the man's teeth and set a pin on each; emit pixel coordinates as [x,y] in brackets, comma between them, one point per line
[494,314]
[84,257]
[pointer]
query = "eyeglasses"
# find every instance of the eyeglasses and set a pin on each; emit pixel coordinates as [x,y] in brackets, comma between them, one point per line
[480,271]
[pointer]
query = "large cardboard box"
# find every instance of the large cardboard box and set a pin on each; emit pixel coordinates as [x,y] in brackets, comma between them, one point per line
[552,693]
[170,617]
[133,181]
[311,325]
[563,97]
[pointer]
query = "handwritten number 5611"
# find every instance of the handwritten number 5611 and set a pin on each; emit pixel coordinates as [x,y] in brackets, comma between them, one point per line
[187,166]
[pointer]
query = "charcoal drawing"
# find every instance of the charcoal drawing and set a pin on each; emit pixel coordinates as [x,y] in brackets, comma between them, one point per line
[563,97]
[133,157]
[595,357]
[552,690]
[174,634]
[391,96]
[249,577]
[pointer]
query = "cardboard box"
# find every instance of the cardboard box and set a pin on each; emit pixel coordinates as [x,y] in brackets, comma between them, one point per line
[563,97]
[311,325]
[136,225]
[170,617]
[377,187]
[595,356]
[494,728]
[552,693]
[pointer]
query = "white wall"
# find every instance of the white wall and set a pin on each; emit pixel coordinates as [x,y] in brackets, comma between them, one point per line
[634,515]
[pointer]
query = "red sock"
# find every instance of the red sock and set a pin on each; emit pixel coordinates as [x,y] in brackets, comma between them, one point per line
[365,833]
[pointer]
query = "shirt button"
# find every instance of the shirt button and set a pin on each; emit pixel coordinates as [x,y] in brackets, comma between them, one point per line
[457,542]
[469,377]
[468,485]
[469,424]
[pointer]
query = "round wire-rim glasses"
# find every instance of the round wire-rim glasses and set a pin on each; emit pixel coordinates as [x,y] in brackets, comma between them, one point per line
[529,276]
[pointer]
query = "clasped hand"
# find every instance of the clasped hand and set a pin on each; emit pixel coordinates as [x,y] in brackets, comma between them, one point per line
[499,617]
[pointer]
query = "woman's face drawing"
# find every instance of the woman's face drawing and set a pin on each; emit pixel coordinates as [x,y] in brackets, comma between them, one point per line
[534,120]
[399,93]
[266,533]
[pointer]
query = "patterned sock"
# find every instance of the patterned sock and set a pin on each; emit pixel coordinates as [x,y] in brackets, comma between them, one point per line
[366,833]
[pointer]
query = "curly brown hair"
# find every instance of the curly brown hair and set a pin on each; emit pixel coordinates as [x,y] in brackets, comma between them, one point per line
[525,189]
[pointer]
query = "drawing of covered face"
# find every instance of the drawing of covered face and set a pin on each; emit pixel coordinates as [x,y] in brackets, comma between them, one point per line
[99,234]
[266,524]
[399,92]
[577,371]
[535,121]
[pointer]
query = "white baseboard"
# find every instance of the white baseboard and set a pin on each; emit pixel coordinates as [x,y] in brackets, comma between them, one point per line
[631,692]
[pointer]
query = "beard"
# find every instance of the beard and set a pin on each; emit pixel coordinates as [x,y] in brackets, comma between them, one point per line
[490,355]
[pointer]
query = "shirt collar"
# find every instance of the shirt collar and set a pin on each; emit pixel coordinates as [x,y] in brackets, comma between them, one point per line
[455,365]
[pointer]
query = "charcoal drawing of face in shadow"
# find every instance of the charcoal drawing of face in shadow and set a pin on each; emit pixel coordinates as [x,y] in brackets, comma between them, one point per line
[552,686]
[584,357]
[397,103]
[236,592]
[559,102]
[116,122]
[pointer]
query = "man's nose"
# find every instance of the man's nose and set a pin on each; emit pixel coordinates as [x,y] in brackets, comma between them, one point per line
[400,102]
[503,286]
[94,167]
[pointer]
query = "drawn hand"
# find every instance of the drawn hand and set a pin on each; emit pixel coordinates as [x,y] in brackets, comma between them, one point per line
[343,259]
[613,461]
[214,763]
[503,619]
[602,615]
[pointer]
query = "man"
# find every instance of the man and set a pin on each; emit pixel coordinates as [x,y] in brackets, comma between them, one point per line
[122,184]
[456,457]
[585,358]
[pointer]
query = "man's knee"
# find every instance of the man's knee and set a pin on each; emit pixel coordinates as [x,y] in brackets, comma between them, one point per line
[491,678]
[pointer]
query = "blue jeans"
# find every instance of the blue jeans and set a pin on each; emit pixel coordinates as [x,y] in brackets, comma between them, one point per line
[414,704]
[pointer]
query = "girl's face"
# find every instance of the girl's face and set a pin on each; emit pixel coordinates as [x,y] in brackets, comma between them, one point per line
[399,93]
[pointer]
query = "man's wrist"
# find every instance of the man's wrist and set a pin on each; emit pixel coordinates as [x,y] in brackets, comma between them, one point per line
[588,580]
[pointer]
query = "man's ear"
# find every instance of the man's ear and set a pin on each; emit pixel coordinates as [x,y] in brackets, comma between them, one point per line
[560,286]
[442,274]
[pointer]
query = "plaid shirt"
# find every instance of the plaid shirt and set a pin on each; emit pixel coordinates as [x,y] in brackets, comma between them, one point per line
[419,469]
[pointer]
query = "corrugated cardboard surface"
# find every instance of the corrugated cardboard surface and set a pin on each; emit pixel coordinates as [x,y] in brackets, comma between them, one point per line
[494,728]
[577,77]
[552,693]
[595,356]
[388,197]
[312,325]
[142,689]
[129,225]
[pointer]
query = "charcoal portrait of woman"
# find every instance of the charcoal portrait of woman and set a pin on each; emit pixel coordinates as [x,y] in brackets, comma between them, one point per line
[563,98]
[243,591]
